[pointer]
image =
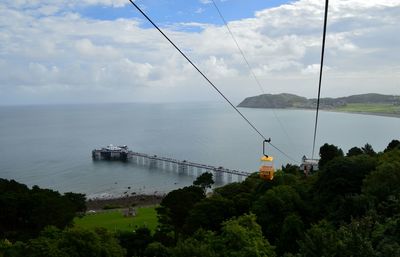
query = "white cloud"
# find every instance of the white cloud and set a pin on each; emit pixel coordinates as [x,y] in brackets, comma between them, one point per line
[45,53]
[205,1]
[199,10]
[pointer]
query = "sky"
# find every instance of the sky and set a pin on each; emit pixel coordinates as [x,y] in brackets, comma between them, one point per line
[95,51]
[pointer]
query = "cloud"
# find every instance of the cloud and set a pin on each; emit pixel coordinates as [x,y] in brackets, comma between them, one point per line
[46,53]
[205,1]
[62,3]
[199,10]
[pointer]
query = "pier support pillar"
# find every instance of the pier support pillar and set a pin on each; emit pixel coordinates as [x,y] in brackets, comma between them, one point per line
[229,177]
[153,164]
[219,177]
[182,169]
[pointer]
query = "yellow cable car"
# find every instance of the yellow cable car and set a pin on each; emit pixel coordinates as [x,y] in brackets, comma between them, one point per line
[267,168]
[267,164]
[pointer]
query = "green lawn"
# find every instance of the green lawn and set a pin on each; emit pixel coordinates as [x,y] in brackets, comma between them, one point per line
[372,108]
[114,220]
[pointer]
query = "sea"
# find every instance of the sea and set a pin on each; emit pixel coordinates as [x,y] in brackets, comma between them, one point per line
[50,145]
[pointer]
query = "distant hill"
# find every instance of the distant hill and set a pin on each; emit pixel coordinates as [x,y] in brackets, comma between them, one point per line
[377,104]
[294,101]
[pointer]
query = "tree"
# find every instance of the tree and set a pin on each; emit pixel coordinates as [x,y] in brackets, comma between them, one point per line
[320,240]
[291,169]
[175,208]
[239,237]
[272,208]
[156,249]
[328,152]
[355,239]
[201,244]
[394,144]
[292,230]
[354,151]
[387,238]
[25,212]
[339,184]
[242,236]
[382,186]
[78,201]
[69,243]
[205,180]
[209,214]
[136,242]
[367,149]
[239,193]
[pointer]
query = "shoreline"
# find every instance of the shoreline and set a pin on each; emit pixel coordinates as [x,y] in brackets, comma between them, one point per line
[382,114]
[123,201]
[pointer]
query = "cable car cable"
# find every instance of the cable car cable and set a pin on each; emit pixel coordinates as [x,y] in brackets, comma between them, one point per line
[238,47]
[320,74]
[250,67]
[206,78]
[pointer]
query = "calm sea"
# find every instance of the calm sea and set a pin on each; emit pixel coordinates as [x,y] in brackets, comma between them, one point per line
[50,146]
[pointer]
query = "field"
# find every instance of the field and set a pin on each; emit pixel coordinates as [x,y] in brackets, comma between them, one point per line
[114,220]
[371,108]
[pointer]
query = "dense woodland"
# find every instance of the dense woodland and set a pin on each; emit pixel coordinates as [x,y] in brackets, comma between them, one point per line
[350,207]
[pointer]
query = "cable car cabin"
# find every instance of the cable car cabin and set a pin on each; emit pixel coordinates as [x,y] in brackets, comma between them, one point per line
[308,166]
[267,168]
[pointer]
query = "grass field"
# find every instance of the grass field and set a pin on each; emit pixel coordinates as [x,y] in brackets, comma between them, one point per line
[114,220]
[371,108]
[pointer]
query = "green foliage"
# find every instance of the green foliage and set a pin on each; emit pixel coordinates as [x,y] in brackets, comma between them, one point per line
[25,212]
[240,194]
[291,169]
[156,249]
[78,200]
[320,240]
[111,207]
[327,153]
[355,239]
[387,238]
[199,246]
[367,149]
[272,208]
[243,237]
[354,151]
[339,184]
[394,144]
[209,214]
[135,242]
[382,185]
[69,243]
[380,108]
[239,237]
[175,207]
[292,229]
[204,181]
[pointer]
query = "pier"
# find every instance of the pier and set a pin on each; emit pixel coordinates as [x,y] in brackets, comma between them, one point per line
[159,162]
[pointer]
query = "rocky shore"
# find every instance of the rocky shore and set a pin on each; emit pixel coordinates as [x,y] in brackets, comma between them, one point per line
[123,202]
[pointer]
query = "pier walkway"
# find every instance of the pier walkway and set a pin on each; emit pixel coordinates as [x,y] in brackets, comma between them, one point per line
[183,166]
[153,161]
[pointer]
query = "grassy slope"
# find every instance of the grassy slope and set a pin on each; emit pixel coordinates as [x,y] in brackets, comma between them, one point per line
[371,108]
[114,220]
